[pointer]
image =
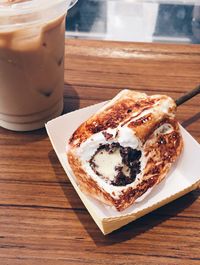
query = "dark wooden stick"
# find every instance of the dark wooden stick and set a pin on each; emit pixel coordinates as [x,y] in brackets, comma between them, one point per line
[188,96]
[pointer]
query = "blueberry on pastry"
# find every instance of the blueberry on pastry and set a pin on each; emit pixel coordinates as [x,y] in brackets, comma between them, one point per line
[126,148]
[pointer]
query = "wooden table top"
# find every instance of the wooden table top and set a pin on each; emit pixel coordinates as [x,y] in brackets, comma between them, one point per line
[43,221]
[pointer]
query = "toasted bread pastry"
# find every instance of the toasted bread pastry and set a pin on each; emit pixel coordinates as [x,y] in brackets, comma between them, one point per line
[126,148]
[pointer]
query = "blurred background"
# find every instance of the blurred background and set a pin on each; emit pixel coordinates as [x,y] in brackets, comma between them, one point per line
[139,21]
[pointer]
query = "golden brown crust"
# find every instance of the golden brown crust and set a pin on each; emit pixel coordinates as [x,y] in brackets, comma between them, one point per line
[160,150]
[118,112]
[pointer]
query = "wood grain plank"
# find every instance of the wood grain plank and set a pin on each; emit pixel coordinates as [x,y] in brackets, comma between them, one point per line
[50,233]
[95,93]
[43,221]
[59,195]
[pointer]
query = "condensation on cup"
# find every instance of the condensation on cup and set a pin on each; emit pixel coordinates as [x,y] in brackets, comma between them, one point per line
[31,62]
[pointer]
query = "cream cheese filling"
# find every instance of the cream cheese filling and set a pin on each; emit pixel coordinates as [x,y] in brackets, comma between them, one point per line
[106,163]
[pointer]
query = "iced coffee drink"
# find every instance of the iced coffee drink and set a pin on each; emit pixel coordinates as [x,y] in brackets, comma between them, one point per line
[31,63]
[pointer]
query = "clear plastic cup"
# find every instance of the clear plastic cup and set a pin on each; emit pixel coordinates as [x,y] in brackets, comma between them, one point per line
[31,62]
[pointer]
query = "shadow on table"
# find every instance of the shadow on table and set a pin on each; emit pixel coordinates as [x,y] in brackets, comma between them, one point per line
[129,231]
[71,98]
[139,226]
[24,137]
[191,120]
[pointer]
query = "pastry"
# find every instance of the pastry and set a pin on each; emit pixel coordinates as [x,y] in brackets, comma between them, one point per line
[126,148]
